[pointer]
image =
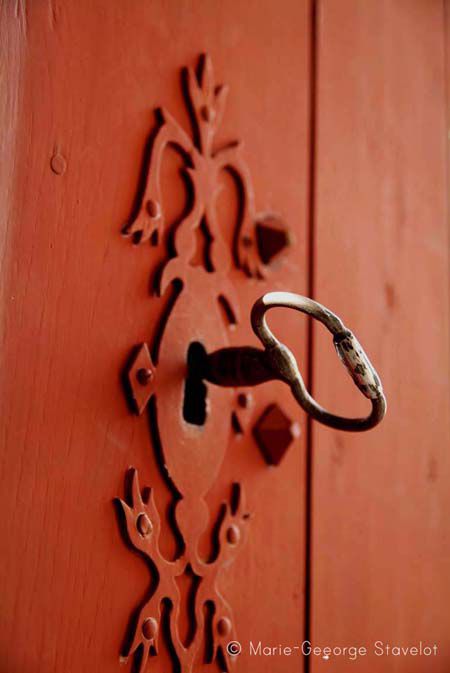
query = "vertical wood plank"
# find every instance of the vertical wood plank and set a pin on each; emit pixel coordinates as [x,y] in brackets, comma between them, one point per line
[381,541]
[83,81]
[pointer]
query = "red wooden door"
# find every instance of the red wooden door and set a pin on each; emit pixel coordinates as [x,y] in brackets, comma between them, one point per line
[83,80]
[341,107]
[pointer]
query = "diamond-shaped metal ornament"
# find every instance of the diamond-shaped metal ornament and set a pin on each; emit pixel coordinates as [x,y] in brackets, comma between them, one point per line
[274,432]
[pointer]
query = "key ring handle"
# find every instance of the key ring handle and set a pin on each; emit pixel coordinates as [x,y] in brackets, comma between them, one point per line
[348,349]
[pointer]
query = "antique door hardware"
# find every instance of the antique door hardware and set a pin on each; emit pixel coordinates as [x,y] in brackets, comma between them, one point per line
[190,440]
[191,423]
[248,366]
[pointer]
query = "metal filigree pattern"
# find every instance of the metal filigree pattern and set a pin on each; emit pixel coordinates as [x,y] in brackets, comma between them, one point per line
[192,458]
[204,162]
[143,528]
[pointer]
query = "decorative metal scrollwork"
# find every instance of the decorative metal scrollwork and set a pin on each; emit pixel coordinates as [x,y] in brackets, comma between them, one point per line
[193,351]
[193,441]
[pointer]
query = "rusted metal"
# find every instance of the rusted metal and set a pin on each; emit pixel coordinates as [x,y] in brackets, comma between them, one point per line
[191,350]
[150,628]
[140,376]
[250,366]
[144,525]
[191,517]
[238,367]
[242,412]
[187,421]
[274,433]
[205,163]
[273,237]
[245,400]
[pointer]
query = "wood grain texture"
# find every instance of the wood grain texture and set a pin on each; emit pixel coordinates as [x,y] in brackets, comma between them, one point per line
[80,81]
[381,542]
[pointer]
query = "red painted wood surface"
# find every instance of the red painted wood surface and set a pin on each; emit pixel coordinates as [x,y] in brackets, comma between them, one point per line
[381,542]
[81,81]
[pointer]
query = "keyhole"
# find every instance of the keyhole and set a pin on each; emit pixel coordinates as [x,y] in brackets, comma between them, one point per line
[195,390]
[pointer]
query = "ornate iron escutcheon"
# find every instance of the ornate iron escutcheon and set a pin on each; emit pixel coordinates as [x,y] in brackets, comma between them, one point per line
[193,450]
[193,348]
